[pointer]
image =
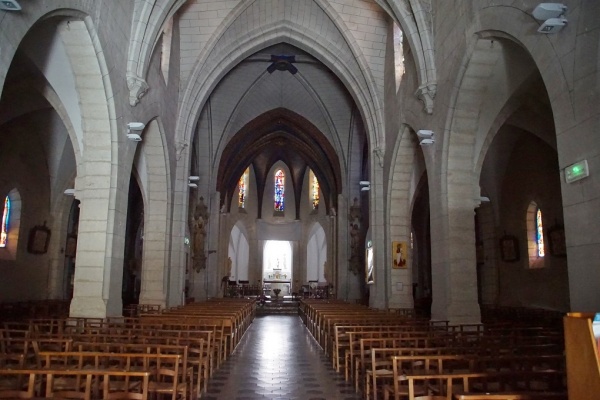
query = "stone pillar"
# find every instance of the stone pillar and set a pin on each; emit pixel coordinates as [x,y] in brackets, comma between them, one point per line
[453,270]
[332,245]
[99,271]
[378,297]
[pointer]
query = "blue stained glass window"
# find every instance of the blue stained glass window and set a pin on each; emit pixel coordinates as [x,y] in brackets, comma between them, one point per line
[279,190]
[5,221]
[539,233]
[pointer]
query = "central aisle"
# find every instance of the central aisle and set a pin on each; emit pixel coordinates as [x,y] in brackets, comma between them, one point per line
[278,359]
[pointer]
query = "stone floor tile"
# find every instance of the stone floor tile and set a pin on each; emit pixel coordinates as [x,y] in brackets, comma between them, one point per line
[278,359]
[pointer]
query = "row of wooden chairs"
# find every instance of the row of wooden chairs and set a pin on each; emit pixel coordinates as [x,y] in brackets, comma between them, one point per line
[445,361]
[177,333]
[93,384]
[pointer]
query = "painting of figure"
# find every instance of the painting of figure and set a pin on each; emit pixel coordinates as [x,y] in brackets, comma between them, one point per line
[399,254]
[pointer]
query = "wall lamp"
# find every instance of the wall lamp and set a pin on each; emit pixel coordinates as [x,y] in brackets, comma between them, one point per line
[69,192]
[365,186]
[425,137]
[552,15]
[133,129]
[192,181]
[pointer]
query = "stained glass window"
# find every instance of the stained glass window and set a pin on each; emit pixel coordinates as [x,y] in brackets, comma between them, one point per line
[279,190]
[539,233]
[242,189]
[314,191]
[5,221]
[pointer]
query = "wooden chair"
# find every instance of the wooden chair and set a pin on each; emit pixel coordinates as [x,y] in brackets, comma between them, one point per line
[120,385]
[166,378]
[11,386]
[491,396]
[57,389]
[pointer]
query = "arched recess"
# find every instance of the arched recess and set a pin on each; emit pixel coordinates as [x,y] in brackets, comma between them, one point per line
[133,254]
[239,253]
[316,255]
[452,300]
[152,166]
[420,245]
[280,135]
[86,80]
[62,46]
[416,24]
[468,125]
[149,17]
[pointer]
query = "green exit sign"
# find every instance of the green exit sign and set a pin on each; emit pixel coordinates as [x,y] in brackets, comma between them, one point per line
[577,171]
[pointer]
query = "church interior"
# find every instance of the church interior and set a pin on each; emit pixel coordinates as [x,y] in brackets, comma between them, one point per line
[429,159]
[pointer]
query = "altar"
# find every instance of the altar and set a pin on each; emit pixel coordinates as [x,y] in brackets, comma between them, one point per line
[284,285]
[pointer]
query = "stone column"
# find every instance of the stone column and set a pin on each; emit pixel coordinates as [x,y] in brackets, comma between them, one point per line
[99,271]
[378,297]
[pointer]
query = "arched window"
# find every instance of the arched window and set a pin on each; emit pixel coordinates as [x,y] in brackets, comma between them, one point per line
[165,57]
[10,214]
[398,54]
[242,189]
[279,197]
[314,190]
[539,233]
[5,222]
[535,236]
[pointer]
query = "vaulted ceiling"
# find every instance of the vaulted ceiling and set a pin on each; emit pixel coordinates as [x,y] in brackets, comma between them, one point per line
[282,104]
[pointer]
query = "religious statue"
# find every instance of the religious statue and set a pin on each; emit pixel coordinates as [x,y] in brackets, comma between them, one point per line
[229,265]
[198,244]
[355,216]
[199,235]
[354,231]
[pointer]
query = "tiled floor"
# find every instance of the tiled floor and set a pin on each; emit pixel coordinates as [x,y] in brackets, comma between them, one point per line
[278,359]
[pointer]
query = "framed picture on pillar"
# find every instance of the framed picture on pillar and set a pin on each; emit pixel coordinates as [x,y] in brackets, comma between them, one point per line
[39,237]
[71,246]
[556,235]
[399,253]
[509,248]
[370,273]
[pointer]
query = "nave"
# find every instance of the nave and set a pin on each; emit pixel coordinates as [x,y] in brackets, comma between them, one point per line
[278,359]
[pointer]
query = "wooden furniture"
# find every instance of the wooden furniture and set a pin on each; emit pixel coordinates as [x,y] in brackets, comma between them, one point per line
[583,360]
[95,383]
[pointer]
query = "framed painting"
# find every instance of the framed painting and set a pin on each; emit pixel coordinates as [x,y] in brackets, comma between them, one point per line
[71,247]
[399,253]
[39,237]
[370,273]
[509,248]
[556,241]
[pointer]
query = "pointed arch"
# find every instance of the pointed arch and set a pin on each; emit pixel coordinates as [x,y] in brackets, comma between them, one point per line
[153,168]
[215,61]
[149,18]
[239,252]
[316,254]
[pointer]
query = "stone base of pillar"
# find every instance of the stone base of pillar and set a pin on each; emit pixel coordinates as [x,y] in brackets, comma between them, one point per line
[155,298]
[463,313]
[88,307]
